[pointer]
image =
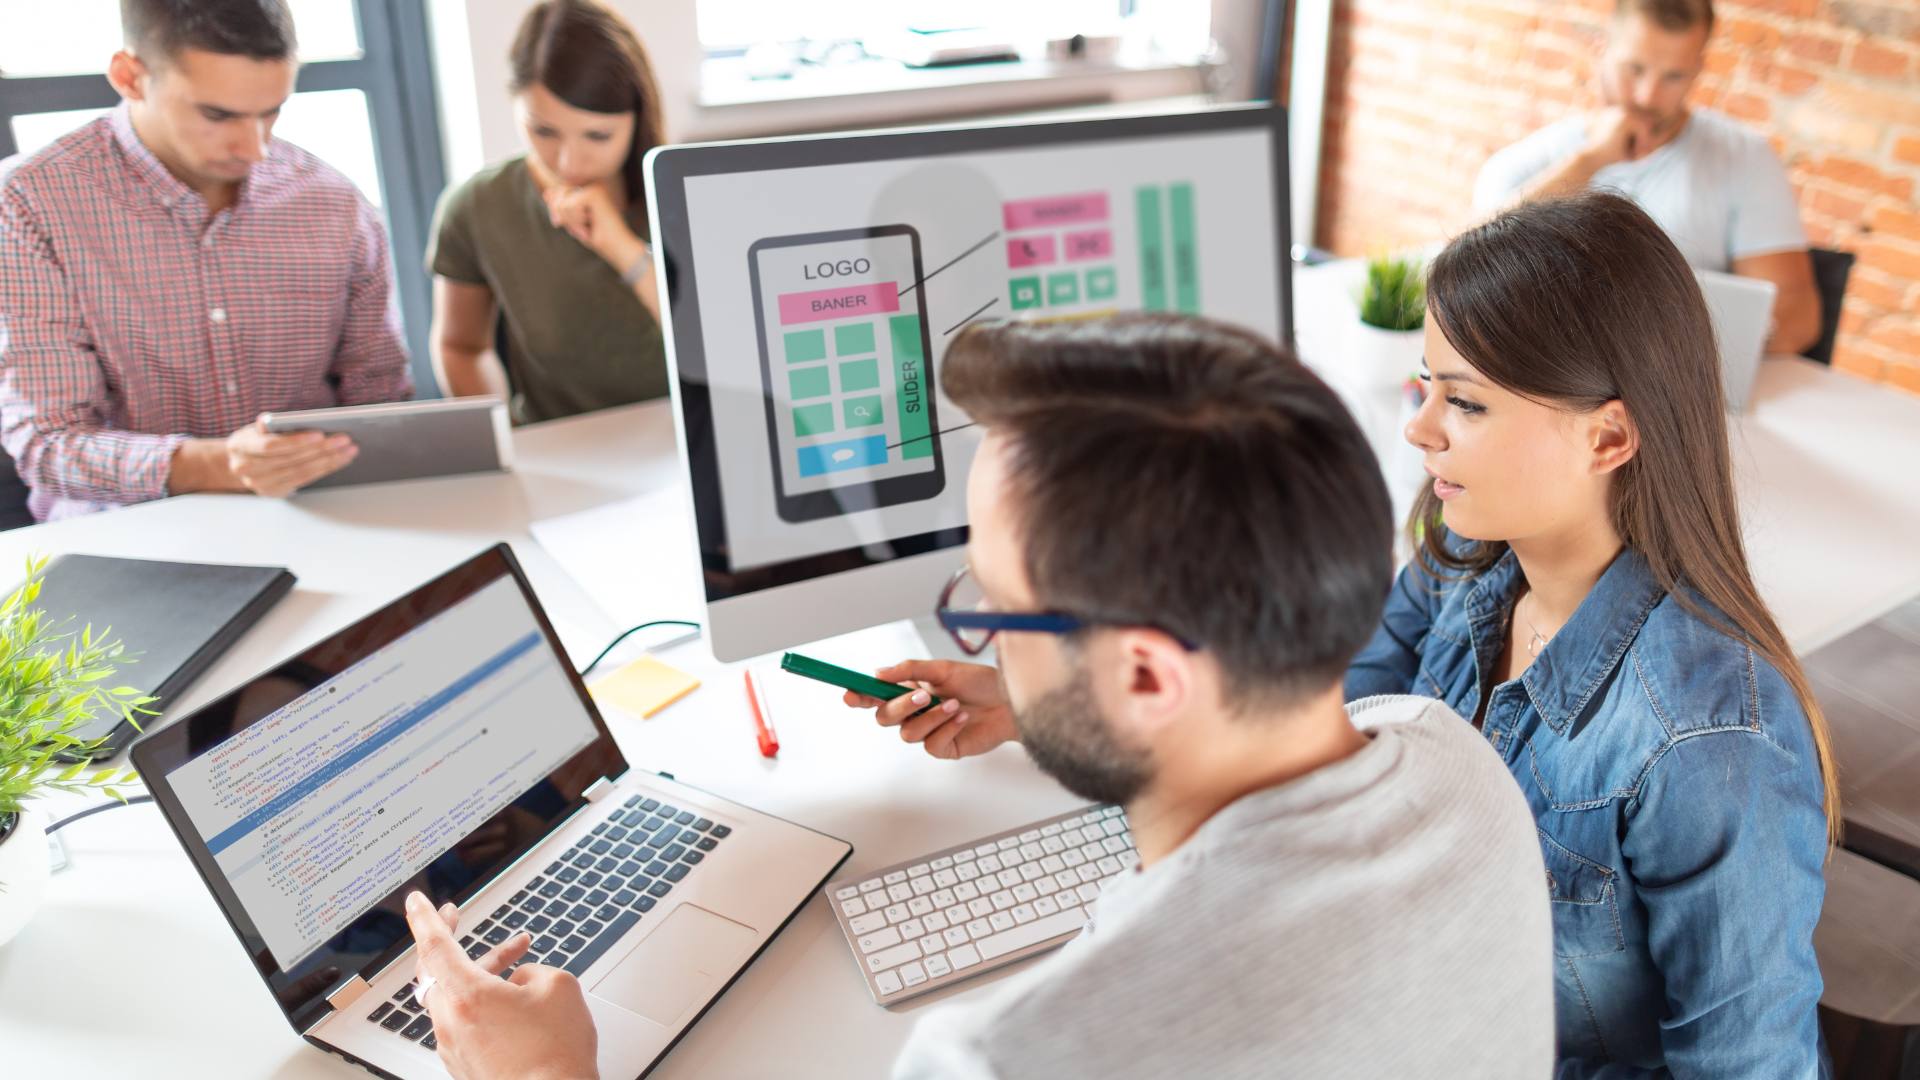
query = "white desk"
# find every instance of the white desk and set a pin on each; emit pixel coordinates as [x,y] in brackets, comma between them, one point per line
[129,966]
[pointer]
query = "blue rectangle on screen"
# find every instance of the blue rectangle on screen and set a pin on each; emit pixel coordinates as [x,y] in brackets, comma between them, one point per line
[370,745]
[840,456]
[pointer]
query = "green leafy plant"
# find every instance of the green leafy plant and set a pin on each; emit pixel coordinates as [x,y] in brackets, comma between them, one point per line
[1395,295]
[52,682]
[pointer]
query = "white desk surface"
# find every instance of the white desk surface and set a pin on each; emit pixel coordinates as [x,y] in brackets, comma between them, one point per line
[130,968]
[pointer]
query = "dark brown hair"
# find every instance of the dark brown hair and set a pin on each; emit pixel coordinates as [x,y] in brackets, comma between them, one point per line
[591,59]
[158,30]
[1670,15]
[1580,301]
[1189,475]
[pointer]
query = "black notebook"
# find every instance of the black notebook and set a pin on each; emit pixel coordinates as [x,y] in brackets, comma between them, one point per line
[175,619]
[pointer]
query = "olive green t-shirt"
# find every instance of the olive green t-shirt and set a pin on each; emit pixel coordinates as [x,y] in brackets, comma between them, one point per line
[576,338]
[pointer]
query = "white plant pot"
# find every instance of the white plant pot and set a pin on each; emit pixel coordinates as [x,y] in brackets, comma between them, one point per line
[24,869]
[1385,358]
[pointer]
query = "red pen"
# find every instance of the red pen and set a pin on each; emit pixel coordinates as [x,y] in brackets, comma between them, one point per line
[763,729]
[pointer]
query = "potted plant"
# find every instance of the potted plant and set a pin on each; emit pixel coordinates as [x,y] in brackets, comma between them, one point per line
[52,681]
[1393,311]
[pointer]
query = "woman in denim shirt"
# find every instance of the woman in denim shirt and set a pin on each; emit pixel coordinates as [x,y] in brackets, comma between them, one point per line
[1580,592]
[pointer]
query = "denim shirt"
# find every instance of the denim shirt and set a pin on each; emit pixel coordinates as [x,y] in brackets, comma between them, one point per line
[1675,786]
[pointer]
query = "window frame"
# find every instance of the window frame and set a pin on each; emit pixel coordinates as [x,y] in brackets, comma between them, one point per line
[395,72]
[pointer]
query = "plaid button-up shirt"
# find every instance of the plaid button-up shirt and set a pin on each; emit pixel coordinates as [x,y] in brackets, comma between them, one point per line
[132,319]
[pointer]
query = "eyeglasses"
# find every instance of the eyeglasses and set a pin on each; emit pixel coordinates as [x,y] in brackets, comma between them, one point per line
[962,611]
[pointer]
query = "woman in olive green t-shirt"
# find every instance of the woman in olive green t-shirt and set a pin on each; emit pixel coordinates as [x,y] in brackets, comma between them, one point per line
[541,260]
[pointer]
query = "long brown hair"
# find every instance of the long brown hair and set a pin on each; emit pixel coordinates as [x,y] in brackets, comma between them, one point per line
[591,59]
[1579,301]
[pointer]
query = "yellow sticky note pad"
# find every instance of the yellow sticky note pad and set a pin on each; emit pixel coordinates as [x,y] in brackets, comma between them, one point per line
[644,687]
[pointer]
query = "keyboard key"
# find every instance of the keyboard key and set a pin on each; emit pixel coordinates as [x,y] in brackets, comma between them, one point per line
[673,853]
[653,825]
[887,982]
[568,874]
[868,923]
[922,885]
[533,906]
[635,801]
[666,811]
[919,871]
[942,863]
[656,868]
[1007,843]
[515,920]
[543,945]
[497,935]
[1023,913]
[692,858]
[574,944]
[688,836]
[894,957]
[617,833]
[589,880]
[1003,900]
[578,912]
[913,974]
[644,903]
[380,1013]
[979,928]
[420,1026]
[920,905]
[1000,920]
[883,938]
[633,818]
[412,1005]
[429,1041]
[573,895]
[678,871]
[898,913]
[945,879]
[900,893]
[703,824]
[598,946]
[607,913]
[1045,906]
[583,861]
[875,885]
[852,905]
[607,864]
[590,928]
[684,818]
[1088,892]
[596,898]
[720,832]
[1033,933]
[562,928]
[465,942]
[485,925]
[551,889]
[965,891]
[912,928]
[556,959]
[942,898]
[707,843]
[396,1020]
[624,851]
[961,857]
[938,966]
[624,897]
[613,883]
[628,869]
[931,944]
[659,888]
[934,921]
[650,805]
[1030,836]
[518,898]
[1025,893]
[980,907]
[963,957]
[954,935]
[554,867]
[475,952]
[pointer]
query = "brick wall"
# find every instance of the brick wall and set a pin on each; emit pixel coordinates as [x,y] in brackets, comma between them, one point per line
[1420,92]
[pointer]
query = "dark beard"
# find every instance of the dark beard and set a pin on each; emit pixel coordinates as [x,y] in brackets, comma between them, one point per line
[1065,735]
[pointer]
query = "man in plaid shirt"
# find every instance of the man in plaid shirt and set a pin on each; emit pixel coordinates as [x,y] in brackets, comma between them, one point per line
[168,273]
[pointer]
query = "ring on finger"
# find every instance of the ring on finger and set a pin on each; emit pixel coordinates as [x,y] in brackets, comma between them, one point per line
[420,990]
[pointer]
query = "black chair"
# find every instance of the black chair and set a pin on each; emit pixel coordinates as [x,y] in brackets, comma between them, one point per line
[13,496]
[1830,272]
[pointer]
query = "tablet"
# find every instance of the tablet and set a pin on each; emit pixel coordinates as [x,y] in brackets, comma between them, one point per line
[410,440]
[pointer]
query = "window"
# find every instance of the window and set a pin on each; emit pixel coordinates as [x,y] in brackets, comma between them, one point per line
[734,25]
[364,104]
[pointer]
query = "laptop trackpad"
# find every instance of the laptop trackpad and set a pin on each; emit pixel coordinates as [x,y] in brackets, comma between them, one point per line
[679,965]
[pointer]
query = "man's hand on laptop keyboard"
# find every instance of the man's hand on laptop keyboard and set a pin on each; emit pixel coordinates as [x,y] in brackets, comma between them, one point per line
[972,718]
[535,1024]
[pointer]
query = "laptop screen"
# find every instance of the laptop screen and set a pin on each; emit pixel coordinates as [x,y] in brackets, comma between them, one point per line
[426,747]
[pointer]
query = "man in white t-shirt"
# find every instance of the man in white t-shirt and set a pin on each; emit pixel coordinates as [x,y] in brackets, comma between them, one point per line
[1714,185]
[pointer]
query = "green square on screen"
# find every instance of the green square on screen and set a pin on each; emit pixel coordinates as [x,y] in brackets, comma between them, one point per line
[859,375]
[1100,283]
[813,419]
[853,338]
[1063,288]
[809,383]
[805,345]
[862,412]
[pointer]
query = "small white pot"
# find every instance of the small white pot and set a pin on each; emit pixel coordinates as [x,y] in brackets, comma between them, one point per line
[24,869]
[1385,358]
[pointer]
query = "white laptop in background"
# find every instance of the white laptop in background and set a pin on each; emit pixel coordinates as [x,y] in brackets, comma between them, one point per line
[444,743]
[1742,310]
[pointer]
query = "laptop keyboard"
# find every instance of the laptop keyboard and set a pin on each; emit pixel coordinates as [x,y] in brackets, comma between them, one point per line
[585,901]
[928,922]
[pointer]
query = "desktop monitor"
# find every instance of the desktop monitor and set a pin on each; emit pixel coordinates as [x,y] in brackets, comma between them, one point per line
[811,286]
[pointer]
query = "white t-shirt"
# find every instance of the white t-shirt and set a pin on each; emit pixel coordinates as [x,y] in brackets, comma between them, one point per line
[1385,915]
[1717,188]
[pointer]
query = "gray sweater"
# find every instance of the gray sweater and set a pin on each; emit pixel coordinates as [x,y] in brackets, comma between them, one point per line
[1384,916]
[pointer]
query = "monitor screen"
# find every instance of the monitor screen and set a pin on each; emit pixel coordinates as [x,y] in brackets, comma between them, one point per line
[426,747]
[814,284]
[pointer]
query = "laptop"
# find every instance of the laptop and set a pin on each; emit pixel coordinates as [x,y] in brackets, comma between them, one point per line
[1742,310]
[444,744]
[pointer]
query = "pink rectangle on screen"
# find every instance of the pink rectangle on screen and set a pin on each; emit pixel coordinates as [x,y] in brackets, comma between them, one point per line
[1093,244]
[1029,251]
[1056,210]
[852,302]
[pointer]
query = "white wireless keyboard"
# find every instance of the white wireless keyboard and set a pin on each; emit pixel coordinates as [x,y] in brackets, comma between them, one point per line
[928,922]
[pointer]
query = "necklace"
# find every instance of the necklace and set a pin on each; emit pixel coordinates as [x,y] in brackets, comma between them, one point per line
[1539,640]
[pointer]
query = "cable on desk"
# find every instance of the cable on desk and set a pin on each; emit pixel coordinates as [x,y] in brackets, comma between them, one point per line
[630,632]
[132,800]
